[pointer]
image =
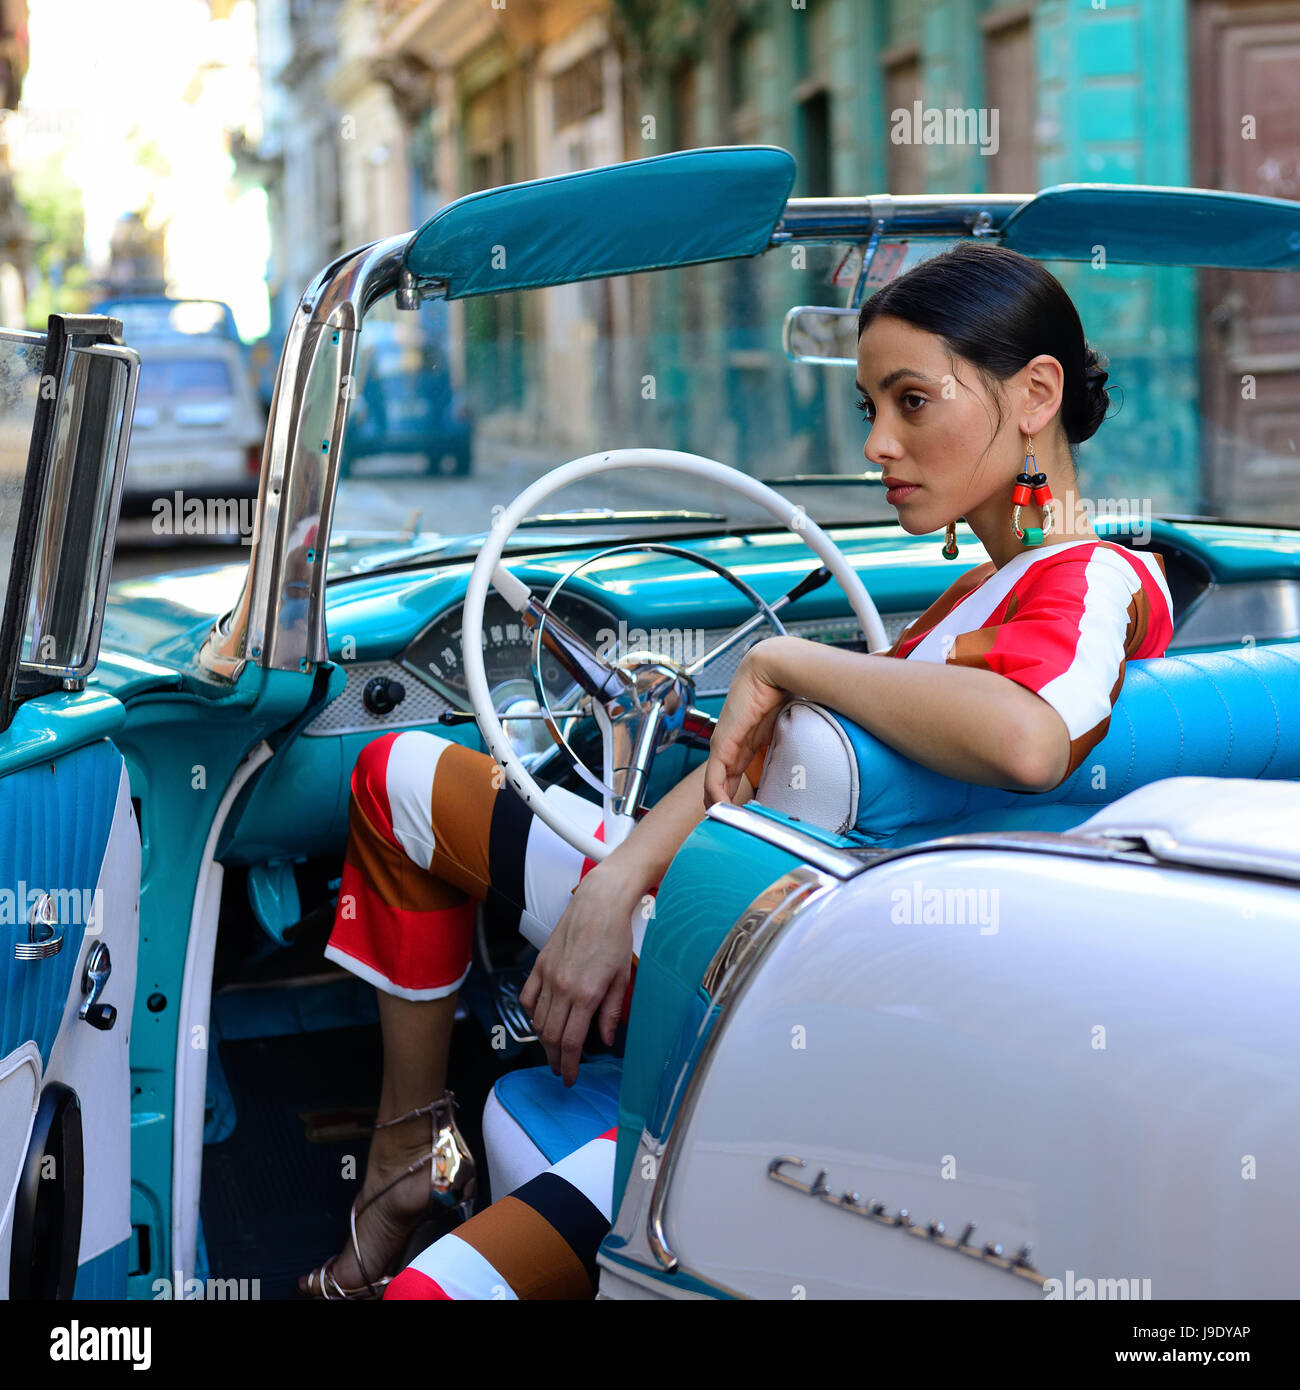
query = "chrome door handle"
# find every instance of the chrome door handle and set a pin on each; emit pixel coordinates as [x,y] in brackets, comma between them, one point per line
[94,977]
[44,937]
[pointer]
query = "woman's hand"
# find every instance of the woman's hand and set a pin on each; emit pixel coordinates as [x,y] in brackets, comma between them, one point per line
[584,966]
[745,724]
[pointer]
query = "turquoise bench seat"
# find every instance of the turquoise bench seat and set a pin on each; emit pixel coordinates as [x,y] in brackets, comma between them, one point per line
[1208,714]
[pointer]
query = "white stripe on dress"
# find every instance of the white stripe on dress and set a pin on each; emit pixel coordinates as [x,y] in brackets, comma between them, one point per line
[371,976]
[551,864]
[461,1272]
[591,1170]
[412,759]
[1081,693]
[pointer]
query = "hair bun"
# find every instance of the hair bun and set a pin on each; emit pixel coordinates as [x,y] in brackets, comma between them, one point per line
[1094,399]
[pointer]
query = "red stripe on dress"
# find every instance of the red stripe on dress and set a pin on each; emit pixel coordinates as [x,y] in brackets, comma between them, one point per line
[589,864]
[370,785]
[411,949]
[410,1283]
[1059,596]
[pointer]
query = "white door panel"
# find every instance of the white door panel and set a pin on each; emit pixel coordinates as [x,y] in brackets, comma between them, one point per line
[96,1064]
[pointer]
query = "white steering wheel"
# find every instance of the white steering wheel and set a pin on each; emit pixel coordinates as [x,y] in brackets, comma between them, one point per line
[640,706]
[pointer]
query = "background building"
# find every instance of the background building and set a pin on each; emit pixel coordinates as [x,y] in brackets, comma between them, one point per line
[378,113]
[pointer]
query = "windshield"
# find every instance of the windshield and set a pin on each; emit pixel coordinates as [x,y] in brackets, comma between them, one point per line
[22,357]
[460,406]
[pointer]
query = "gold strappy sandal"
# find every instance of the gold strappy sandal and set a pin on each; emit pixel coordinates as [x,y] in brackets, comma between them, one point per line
[453,1182]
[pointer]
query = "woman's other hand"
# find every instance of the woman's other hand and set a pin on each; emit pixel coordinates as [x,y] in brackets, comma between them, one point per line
[583,968]
[745,724]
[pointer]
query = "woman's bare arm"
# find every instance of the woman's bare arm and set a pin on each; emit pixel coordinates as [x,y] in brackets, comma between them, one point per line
[976,726]
[643,858]
[583,969]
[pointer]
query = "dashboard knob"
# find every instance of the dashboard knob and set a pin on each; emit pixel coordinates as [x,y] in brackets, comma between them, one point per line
[382,694]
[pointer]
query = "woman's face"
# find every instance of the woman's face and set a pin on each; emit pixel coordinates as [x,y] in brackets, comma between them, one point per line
[929,428]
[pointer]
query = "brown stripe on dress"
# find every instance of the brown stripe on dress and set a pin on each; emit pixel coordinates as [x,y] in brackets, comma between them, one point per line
[972,648]
[1139,619]
[526,1251]
[1090,738]
[398,881]
[460,812]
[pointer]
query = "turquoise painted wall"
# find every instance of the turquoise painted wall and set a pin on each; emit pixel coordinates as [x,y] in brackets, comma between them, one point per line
[1112,101]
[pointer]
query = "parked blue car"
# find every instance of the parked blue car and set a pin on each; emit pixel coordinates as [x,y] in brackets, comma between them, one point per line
[405,406]
[822,1092]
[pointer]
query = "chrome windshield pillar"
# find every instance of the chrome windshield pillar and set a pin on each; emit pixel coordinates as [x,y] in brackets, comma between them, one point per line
[279,619]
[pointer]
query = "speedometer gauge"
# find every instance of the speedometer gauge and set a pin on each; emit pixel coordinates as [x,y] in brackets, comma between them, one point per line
[437,657]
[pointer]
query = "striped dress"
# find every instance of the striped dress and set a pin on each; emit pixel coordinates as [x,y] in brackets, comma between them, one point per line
[1062,621]
[433,830]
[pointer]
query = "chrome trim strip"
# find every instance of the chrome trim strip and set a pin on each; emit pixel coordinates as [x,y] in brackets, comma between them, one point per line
[638,1236]
[847,219]
[841,863]
[730,971]
[299,476]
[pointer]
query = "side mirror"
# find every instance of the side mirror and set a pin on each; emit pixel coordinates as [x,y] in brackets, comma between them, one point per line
[79,521]
[63,530]
[824,337]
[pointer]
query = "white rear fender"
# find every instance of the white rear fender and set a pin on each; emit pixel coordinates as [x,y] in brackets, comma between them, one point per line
[1100,1058]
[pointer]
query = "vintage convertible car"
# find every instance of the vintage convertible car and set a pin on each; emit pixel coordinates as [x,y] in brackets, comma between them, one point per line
[1048,1042]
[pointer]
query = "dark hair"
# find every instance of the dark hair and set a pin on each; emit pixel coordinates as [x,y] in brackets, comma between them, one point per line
[998,309]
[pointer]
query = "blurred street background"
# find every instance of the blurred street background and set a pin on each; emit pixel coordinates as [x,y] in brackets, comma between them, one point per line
[224,151]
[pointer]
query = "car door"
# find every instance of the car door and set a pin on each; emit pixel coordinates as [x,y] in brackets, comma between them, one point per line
[69,848]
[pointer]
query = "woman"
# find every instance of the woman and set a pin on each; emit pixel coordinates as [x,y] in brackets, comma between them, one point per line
[978,384]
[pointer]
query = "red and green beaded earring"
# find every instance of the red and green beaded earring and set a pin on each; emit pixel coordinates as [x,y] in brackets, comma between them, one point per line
[1031,486]
[949,551]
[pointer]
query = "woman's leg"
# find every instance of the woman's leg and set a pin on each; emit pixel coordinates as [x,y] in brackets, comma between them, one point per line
[540,1242]
[432,831]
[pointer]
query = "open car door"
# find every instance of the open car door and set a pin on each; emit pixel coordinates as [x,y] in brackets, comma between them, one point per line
[69,847]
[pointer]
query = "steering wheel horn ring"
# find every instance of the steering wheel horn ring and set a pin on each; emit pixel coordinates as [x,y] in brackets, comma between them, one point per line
[658,678]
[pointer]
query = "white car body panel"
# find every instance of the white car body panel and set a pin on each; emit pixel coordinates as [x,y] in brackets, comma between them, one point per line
[1101,1058]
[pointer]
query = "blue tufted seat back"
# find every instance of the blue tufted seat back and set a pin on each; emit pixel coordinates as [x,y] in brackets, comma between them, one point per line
[1212,714]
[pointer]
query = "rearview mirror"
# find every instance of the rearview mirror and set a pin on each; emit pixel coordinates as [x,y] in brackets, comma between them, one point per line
[825,337]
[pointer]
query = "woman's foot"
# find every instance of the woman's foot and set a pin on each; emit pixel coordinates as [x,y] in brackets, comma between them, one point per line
[394,1196]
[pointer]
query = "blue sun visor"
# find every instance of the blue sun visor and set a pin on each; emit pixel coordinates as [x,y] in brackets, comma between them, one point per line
[648,214]
[1157,226]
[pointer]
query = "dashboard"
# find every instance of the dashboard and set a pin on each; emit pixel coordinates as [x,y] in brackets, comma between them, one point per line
[410,622]
[431,667]
[403,628]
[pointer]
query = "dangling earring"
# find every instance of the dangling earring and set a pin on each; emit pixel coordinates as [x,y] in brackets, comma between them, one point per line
[949,551]
[1032,486]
